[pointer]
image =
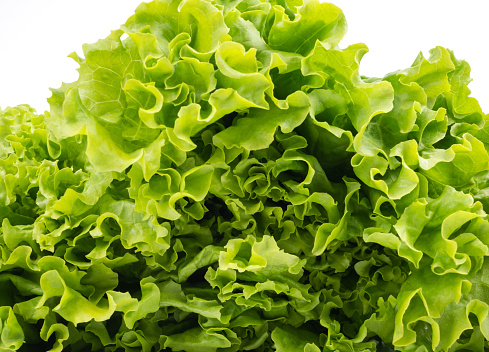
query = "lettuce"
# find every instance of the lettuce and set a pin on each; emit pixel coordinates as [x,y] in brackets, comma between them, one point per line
[221,178]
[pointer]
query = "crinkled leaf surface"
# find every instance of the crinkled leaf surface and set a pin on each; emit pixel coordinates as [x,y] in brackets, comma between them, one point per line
[221,178]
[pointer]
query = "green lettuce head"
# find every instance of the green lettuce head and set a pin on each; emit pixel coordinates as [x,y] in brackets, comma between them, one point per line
[221,178]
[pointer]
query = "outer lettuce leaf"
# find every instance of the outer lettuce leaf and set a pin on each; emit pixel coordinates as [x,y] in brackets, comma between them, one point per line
[202,21]
[294,340]
[12,336]
[195,340]
[287,118]
[312,21]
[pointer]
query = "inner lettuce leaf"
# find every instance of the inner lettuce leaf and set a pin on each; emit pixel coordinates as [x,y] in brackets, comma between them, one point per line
[221,178]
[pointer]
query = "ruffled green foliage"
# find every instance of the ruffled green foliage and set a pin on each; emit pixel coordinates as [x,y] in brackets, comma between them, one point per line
[221,178]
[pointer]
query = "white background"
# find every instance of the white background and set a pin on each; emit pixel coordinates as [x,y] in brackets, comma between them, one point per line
[37,35]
